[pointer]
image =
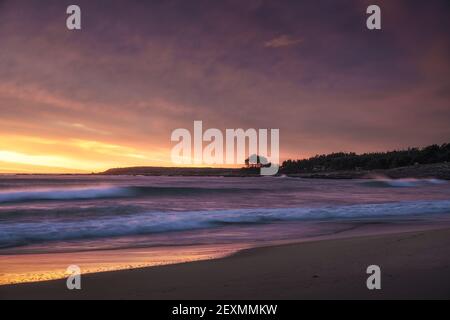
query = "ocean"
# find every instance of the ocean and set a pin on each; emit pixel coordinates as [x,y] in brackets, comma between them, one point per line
[47,215]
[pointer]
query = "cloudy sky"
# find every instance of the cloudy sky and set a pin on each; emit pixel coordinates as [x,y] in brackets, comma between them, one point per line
[111,94]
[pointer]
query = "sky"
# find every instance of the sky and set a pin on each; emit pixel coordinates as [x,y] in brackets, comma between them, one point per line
[111,94]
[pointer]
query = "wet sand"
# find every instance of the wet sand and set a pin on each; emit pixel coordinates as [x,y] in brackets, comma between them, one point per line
[414,265]
[26,268]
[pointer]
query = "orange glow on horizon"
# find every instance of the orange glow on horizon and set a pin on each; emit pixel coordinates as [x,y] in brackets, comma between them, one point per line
[26,154]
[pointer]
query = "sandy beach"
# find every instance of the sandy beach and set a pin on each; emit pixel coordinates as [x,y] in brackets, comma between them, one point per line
[414,265]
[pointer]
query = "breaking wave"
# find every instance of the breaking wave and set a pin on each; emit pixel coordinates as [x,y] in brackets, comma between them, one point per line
[108,192]
[402,183]
[22,233]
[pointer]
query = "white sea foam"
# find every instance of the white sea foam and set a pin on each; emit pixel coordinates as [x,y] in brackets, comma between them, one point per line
[63,194]
[404,182]
[17,233]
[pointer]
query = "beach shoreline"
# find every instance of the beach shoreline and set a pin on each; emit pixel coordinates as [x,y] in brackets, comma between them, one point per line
[414,265]
[36,264]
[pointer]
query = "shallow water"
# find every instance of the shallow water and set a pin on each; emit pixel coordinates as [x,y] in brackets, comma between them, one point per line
[46,218]
[47,210]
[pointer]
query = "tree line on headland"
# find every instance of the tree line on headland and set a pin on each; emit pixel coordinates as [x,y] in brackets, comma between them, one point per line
[369,161]
[431,161]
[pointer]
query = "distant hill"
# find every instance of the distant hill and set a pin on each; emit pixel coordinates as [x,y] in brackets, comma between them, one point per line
[175,171]
[437,170]
[431,161]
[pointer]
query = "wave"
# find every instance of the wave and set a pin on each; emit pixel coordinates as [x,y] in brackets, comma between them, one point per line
[402,183]
[22,233]
[109,192]
[58,194]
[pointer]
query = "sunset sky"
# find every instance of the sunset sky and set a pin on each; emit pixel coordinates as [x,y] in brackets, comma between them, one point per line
[111,94]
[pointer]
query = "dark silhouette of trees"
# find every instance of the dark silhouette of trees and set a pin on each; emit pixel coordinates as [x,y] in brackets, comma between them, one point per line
[256,161]
[369,161]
